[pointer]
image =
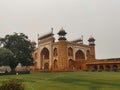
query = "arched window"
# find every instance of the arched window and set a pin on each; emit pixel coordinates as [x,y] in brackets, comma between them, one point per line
[71,64]
[79,55]
[70,51]
[55,52]
[88,53]
[55,64]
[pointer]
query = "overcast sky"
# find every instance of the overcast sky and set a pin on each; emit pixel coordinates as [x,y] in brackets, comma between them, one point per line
[99,18]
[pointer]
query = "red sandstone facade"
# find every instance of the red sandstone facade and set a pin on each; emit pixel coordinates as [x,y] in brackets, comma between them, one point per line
[69,55]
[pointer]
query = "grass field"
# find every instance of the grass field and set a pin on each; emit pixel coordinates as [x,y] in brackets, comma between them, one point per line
[69,81]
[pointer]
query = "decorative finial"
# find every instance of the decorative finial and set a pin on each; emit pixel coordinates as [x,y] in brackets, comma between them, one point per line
[52,29]
[82,37]
[62,29]
[91,39]
[91,36]
[38,35]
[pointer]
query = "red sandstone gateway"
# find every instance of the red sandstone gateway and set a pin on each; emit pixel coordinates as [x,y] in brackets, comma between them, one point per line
[66,55]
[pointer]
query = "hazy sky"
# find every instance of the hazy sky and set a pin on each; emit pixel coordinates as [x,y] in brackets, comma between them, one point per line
[99,18]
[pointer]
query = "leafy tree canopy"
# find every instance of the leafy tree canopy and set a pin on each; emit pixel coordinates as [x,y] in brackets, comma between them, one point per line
[5,56]
[20,46]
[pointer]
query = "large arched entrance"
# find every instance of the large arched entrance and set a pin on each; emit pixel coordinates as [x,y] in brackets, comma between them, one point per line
[45,58]
[79,55]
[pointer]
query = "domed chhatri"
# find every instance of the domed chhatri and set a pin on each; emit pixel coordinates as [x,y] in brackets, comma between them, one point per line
[91,40]
[62,32]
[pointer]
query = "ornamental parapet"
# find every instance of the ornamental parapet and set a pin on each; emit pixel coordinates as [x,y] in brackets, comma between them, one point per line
[108,61]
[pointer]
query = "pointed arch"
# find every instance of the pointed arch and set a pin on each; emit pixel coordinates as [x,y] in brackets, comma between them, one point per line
[45,53]
[71,64]
[55,64]
[70,51]
[79,55]
[55,52]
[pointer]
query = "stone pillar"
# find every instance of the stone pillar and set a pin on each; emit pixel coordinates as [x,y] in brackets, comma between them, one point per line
[104,67]
[98,67]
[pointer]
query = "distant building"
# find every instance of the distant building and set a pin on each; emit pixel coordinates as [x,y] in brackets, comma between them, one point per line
[69,55]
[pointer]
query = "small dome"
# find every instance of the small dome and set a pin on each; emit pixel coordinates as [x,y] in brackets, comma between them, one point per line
[33,42]
[91,38]
[62,32]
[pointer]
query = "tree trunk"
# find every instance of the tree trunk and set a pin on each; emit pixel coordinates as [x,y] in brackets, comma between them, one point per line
[13,68]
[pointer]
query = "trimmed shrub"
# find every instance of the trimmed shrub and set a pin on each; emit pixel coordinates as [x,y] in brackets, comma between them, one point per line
[13,84]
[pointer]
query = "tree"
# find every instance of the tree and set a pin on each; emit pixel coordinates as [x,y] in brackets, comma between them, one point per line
[7,58]
[20,46]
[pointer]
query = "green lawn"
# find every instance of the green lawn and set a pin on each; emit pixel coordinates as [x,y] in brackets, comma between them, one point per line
[69,81]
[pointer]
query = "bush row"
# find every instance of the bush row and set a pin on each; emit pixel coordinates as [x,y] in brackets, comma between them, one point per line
[16,72]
